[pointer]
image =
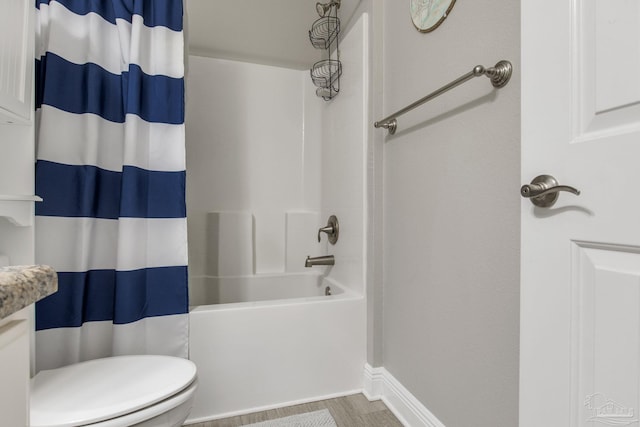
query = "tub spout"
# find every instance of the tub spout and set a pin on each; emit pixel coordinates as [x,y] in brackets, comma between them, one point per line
[319,260]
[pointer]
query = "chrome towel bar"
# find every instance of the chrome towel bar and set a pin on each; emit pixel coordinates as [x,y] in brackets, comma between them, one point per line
[499,75]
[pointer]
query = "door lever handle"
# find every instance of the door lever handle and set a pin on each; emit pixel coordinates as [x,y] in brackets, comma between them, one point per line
[543,191]
[537,190]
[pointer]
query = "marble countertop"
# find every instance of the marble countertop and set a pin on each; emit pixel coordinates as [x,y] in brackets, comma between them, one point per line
[22,285]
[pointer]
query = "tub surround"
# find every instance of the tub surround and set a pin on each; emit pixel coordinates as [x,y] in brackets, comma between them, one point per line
[23,285]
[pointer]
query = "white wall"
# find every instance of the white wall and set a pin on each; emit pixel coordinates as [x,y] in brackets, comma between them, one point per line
[17,177]
[451,215]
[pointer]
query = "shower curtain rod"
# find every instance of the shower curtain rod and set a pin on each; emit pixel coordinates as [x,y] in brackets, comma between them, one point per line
[499,75]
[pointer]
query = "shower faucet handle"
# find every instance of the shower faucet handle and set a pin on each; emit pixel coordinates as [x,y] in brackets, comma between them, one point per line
[327,229]
[332,229]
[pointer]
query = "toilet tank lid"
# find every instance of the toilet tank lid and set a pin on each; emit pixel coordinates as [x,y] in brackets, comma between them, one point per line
[100,389]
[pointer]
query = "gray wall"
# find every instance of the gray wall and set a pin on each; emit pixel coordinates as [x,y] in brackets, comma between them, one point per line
[450,188]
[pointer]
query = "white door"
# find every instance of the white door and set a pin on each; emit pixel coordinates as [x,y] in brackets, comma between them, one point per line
[580,312]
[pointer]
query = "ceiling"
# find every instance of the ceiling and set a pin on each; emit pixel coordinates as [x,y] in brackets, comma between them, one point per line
[272,32]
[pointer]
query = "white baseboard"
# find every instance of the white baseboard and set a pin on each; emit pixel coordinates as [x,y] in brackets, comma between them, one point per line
[380,384]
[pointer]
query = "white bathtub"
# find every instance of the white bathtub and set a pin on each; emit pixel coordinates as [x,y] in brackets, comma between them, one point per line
[268,341]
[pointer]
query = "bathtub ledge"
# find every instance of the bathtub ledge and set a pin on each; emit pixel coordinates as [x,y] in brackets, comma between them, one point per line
[22,285]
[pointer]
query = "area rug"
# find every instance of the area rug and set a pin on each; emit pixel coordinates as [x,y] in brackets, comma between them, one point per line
[320,418]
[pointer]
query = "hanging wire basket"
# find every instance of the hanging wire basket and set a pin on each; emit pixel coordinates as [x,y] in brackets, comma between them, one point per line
[327,93]
[325,73]
[324,31]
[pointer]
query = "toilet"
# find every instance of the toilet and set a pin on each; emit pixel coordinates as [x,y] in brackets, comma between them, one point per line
[140,391]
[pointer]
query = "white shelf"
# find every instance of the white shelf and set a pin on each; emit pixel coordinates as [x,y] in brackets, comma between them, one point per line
[18,209]
[19,198]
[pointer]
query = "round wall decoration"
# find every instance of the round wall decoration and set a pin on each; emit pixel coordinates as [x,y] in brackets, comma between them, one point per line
[428,14]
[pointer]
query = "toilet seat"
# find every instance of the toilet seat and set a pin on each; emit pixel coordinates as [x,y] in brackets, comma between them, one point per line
[169,412]
[105,391]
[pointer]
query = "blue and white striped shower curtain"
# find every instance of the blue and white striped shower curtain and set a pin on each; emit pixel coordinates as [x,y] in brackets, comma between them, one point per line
[111,170]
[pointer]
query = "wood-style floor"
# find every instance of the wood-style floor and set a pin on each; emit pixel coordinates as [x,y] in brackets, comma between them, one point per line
[348,411]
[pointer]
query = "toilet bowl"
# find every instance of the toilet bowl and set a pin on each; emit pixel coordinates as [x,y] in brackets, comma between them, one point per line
[140,391]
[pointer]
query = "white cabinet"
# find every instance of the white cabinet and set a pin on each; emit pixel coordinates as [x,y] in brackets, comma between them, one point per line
[14,371]
[20,287]
[16,61]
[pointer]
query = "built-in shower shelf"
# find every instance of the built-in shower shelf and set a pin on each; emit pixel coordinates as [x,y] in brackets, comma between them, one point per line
[18,209]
